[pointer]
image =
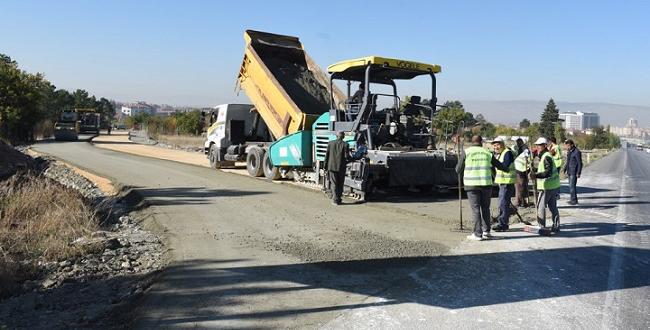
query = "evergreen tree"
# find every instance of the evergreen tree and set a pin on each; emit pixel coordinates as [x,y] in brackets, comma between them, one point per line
[559,133]
[550,117]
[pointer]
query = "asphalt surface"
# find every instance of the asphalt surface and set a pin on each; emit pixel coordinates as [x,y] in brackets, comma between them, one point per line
[253,254]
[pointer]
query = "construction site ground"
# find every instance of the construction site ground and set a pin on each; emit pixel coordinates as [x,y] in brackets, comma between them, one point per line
[248,253]
[445,210]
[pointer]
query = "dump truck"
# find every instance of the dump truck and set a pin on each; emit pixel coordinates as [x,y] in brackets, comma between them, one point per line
[67,127]
[89,120]
[289,94]
[297,109]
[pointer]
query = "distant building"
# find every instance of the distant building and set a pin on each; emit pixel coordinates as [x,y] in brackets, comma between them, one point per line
[132,109]
[633,123]
[631,130]
[579,121]
[166,110]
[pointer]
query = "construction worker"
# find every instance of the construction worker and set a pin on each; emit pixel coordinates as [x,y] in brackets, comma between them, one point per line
[556,152]
[476,164]
[506,181]
[357,97]
[336,157]
[548,185]
[522,165]
[572,169]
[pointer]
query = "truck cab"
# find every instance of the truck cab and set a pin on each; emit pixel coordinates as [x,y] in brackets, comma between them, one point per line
[234,129]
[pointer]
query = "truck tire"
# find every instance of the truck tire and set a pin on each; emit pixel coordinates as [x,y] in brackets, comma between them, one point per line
[270,172]
[254,161]
[213,156]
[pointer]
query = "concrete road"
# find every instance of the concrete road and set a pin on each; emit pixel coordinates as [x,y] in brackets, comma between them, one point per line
[594,274]
[252,254]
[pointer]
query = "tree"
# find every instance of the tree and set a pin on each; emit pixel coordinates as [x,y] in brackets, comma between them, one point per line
[448,119]
[22,98]
[454,104]
[27,101]
[525,123]
[107,110]
[559,132]
[480,119]
[189,122]
[613,141]
[532,131]
[480,126]
[549,118]
[599,139]
[506,130]
[487,130]
[129,122]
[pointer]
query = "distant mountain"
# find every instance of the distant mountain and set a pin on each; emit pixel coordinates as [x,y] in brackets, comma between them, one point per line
[512,112]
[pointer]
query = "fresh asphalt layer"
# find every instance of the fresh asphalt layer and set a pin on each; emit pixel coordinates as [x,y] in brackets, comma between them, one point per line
[247,253]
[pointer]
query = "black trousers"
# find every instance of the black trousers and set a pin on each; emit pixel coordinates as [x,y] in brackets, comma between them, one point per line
[479,201]
[337,179]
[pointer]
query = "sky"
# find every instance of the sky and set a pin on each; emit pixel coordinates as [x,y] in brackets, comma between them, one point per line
[189,52]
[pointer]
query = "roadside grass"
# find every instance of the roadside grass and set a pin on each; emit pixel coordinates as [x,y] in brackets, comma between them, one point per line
[39,219]
[182,140]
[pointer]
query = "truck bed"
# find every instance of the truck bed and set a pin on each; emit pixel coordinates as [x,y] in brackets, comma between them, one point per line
[287,90]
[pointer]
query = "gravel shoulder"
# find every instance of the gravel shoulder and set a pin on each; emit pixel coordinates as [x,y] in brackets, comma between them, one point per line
[96,289]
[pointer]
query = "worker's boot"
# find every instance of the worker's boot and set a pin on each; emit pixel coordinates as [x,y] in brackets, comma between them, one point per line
[556,227]
[501,227]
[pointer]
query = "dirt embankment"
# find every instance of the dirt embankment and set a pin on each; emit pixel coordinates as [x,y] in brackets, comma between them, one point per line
[70,255]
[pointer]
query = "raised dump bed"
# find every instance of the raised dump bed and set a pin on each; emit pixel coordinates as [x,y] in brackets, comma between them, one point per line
[288,91]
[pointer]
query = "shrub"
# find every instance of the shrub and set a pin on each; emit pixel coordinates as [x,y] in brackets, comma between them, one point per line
[40,218]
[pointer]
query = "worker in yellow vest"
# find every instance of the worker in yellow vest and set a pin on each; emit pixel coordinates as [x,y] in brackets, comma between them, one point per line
[506,181]
[556,152]
[548,185]
[522,166]
[476,164]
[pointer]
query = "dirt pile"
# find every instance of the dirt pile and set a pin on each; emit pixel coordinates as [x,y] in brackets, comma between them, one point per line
[301,85]
[12,161]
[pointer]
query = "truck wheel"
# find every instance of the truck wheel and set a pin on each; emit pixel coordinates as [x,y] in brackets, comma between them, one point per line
[254,161]
[213,156]
[270,172]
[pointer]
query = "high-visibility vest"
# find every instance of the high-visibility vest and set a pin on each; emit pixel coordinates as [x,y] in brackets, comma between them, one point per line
[557,159]
[513,149]
[478,167]
[521,162]
[505,177]
[552,182]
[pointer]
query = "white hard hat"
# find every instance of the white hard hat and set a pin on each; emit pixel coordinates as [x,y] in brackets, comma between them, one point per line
[541,141]
[498,140]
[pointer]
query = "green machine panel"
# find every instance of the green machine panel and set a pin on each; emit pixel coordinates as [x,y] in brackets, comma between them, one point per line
[292,150]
